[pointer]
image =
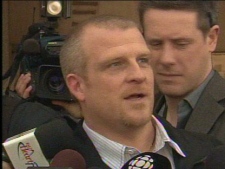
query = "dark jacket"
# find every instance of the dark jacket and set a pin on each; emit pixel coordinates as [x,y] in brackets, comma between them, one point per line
[196,147]
[208,116]
[29,114]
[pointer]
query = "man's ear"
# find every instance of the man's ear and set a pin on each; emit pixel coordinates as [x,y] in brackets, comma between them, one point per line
[75,84]
[213,37]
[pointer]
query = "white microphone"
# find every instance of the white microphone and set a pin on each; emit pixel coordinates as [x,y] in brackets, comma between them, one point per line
[36,147]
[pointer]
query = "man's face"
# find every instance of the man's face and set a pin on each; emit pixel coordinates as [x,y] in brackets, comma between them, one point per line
[119,85]
[181,55]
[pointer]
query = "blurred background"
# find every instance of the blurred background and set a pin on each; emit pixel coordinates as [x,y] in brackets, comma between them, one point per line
[18,16]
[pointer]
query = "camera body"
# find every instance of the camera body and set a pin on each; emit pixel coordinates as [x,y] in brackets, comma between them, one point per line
[43,63]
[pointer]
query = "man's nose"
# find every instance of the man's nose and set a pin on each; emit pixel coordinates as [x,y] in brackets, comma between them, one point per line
[136,73]
[167,55]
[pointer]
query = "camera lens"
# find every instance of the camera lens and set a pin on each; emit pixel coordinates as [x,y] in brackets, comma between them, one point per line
[54,81]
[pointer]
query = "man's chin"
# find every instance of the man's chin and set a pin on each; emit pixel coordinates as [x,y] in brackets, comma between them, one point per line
[137,121]
[171,91]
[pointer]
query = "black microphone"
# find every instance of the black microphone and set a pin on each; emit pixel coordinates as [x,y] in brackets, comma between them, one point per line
[216,159]
[148,160]
[35,147]
[31,46]
[31,51]
[68,158]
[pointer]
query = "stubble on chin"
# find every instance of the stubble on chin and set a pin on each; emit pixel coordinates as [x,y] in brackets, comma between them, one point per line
[138,119]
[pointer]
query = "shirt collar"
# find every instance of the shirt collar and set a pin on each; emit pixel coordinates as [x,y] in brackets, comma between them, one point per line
[114,154]
[162,137]
[193,97]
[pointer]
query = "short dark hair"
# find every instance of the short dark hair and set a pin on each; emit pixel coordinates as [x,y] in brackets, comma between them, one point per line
[72,54]
[207,10]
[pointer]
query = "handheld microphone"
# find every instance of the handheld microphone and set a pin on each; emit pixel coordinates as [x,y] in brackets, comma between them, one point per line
[148,160]
[35,147]
[215,160]
[65,159]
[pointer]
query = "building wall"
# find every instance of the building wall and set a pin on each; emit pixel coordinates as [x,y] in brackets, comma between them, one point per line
[19,15]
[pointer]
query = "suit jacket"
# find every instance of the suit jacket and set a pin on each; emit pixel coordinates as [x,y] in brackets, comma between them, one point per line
[196,146]
[208,116]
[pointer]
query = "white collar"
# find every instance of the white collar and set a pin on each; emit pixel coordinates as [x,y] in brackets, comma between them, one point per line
[115,154]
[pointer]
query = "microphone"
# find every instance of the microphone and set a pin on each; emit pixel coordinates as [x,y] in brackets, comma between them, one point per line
[68,158]
[31,46]
[35,147]
[31,50]
[148,160]
[215,160]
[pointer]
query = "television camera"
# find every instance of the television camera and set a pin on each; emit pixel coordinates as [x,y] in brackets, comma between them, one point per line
[41,58]
[38,53]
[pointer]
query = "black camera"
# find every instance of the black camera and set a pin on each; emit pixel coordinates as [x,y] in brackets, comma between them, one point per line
[49,83]
[38,53]
[41,58]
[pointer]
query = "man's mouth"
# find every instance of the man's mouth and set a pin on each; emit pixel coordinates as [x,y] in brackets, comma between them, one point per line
[135,96]
[169,74]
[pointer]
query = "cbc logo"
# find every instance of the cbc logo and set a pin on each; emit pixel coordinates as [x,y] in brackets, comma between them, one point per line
[144,162]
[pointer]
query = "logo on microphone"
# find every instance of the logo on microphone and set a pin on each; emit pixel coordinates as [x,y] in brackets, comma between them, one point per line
[25,151]
[143,162]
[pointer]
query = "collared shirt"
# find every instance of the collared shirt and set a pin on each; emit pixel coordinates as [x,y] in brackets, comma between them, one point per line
[115,155]
[186,106]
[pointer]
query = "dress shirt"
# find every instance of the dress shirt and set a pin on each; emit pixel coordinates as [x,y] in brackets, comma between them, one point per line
[186,105]
[115,155]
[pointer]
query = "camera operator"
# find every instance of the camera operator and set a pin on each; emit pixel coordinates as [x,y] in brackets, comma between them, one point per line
[40,92]
[23,89]
[30,113]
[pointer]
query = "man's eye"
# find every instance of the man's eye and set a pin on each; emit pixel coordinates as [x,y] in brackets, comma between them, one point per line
[182,43]
[155,45]
[115,64]
[144,61]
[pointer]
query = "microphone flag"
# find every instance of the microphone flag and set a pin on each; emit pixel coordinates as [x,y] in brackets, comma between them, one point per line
[147,160]
[24,150]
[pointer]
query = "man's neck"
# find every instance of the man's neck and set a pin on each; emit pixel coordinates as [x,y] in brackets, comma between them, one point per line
[172,109]
[142,138]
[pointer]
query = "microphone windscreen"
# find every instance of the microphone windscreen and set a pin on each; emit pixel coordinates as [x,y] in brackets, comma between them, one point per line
[54,137]
[216,159]
[148,160]
[31,46]
[68,158]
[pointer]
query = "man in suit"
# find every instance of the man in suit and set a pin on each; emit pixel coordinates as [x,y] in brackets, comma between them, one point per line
[181,36]
[106,66]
